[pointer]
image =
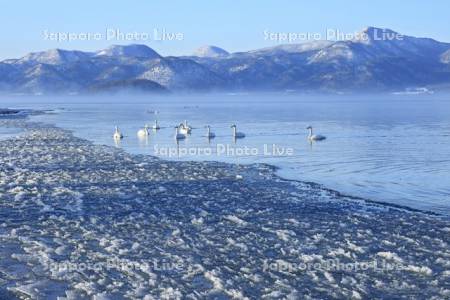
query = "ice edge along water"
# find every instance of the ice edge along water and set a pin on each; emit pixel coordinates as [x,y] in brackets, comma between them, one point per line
[66,202]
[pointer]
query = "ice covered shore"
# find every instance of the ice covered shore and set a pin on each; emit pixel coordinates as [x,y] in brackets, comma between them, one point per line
[84,221]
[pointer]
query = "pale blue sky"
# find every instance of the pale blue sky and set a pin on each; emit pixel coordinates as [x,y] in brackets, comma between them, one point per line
[232,25]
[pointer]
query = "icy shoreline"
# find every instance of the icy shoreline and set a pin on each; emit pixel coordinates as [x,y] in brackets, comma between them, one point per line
[79,220]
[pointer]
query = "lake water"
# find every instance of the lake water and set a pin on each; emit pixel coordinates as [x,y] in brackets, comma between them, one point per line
[386,148]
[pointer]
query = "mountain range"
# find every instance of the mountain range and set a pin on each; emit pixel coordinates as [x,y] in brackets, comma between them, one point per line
[358,65]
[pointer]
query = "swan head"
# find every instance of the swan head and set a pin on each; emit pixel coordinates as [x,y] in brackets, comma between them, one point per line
[309,127]
[233,126]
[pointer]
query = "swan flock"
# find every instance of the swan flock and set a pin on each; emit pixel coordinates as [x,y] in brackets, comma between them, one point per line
[184,129]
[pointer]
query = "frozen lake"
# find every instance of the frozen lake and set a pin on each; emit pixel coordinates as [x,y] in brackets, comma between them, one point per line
[385,148]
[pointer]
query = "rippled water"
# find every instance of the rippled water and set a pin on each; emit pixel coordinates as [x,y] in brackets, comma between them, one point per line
[389,148]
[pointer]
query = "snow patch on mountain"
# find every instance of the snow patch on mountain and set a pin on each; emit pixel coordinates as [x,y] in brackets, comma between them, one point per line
[445,57]
[340,50]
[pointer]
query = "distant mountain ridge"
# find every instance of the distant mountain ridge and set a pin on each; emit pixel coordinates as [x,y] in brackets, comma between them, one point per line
[359,65]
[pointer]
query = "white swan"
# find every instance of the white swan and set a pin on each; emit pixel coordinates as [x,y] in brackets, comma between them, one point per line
[178,135]
[184,128]
[236,134]
[156,126]
[314,137]
[209,133]
[143,132]
[117,134]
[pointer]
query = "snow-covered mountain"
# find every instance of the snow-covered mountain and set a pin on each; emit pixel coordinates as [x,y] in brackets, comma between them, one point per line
[377,60]
[210,51]
[181,74]
[383,60]
[137,51]
[52,57]
[57,71]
